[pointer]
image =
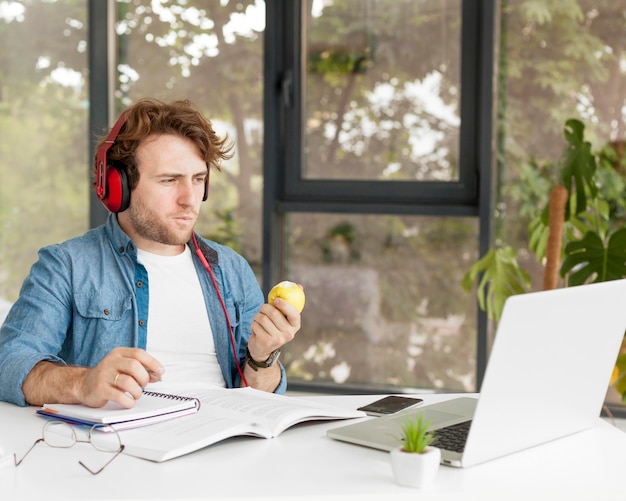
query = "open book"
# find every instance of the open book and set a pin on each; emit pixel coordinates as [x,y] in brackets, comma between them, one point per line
[227,413]
[151,408]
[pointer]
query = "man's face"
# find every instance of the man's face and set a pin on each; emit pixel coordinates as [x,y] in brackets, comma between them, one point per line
[164,205]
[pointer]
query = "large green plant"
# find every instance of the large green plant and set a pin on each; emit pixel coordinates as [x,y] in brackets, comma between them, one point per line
[591,238]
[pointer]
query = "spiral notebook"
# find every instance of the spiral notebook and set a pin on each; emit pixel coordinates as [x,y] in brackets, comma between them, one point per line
[152,407]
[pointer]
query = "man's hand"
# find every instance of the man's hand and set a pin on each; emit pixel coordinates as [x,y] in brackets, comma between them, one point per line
[119,377]
[272,327]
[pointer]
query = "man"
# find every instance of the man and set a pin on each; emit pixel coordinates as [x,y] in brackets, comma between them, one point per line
[142,297]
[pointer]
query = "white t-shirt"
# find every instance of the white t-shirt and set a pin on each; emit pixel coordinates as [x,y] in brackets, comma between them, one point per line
[179,332]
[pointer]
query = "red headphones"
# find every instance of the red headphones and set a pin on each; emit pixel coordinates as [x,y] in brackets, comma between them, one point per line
[112,182]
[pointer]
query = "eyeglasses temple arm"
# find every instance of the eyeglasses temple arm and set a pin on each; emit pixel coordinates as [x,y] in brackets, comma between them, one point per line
[105,464]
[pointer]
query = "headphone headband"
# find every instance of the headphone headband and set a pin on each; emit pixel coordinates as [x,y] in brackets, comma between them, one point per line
[101,157]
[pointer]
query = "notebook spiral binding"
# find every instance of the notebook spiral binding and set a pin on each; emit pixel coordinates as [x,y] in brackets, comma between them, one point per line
[169,396]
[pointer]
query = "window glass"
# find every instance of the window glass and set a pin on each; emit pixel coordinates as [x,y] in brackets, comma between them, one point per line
[212,54]
[384,305]
[44,145]
[559,61]
[382,87]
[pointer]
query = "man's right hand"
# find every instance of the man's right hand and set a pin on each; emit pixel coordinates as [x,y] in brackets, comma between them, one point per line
[119,377]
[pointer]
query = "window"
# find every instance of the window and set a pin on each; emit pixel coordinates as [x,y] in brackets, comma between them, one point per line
[384,307]
[558,62]
[44,182]
[372,100]
[381,91]
[377,210]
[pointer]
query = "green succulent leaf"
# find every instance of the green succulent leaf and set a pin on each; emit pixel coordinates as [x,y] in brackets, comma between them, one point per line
[416,436]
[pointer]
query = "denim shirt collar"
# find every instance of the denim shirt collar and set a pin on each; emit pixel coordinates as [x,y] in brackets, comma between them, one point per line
[122,243]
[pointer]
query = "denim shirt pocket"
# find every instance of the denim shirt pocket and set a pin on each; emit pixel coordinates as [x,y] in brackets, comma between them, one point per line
[104,306]
[103,321]
[234,312]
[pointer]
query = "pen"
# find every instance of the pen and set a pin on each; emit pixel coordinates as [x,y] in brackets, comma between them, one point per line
[154,375]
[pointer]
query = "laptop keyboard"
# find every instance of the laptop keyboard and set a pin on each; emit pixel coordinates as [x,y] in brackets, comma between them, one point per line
[452,438]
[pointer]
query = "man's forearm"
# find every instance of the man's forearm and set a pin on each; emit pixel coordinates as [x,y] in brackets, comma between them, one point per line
[49,383]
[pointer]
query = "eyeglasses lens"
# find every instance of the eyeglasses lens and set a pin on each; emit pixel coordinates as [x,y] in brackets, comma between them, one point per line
[104,438]
[59,434]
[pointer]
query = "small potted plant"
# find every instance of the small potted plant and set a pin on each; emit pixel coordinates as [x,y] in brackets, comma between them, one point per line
[415,463]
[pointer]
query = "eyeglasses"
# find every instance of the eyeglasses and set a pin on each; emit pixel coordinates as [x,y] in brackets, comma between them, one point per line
[60,434]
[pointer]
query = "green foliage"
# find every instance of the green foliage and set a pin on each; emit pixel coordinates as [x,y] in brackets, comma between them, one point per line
[228,233]
[538,233]
[330,61]
[499,276]
[620,383]
[340,243]
[579,166]
[594,247]
[611,179]
[593,261]
[416,436]
[532,187]
[594,243]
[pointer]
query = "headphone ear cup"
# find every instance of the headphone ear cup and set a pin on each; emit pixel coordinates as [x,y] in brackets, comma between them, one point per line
[118,193]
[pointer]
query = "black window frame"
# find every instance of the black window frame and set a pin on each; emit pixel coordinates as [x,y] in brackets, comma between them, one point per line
[430,197]
[286,190]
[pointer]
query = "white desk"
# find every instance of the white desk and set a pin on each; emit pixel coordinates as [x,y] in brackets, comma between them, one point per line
[303,463]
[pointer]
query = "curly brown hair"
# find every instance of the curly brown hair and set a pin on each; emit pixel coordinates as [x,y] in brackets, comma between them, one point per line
[151,117]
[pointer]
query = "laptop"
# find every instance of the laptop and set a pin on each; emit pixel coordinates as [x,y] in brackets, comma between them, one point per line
[547,377]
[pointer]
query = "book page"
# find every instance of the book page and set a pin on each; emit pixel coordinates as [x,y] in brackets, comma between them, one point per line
[273,412]
[179,436]
[226,413]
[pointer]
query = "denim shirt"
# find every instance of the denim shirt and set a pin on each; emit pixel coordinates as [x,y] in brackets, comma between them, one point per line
[88,295]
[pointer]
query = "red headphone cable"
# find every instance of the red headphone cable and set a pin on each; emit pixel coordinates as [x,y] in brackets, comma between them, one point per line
[230,329]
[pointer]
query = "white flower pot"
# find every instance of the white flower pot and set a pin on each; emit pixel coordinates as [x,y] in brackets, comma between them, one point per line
[415,470]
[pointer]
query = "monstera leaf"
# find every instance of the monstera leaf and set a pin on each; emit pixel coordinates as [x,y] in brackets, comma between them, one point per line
[590,259]
[579,165]
[538,233]
[501,277]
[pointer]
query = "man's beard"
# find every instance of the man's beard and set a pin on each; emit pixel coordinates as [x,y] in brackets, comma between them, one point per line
[148,225]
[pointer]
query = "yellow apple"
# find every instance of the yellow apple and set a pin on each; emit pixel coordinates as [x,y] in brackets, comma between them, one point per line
[290,292]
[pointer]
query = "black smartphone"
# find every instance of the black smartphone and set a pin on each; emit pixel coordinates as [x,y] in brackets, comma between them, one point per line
[390,405]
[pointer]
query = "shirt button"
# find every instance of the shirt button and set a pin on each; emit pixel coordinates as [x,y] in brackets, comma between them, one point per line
[139,283]
[107,311]
[121,250]
[142,323]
